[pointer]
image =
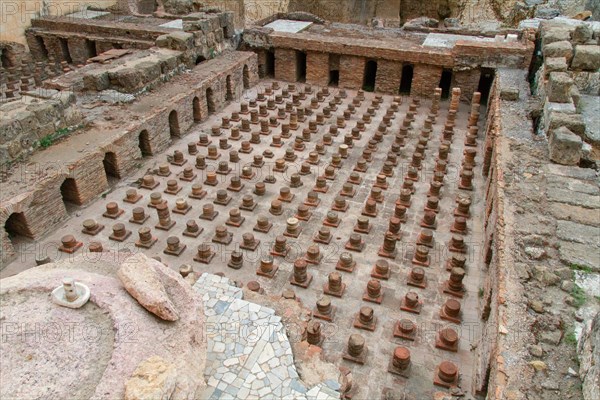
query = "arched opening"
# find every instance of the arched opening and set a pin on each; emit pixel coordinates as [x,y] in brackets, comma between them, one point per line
[17,228]
[90,46]
[300,66]
[370,74]
[246,77]
[197,111]
[70,193]
[110,165]
[42,46]
[485,83]
[229,87]
[144,143]
[4,60]
[445,83]
[406,81]
[174,124]
[64,48]
[269,65]
[210,101]
[334,69]
[117,46]
[200,59]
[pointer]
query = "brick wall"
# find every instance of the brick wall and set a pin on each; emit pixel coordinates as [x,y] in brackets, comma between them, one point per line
[79,50]
[285,64]
[425,79]
[388,78]
[351,72]
[468,81]
[394,50]
[262,55]
[43,205]
[317,68]
[487,359]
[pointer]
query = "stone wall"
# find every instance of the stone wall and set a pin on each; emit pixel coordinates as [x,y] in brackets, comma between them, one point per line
[570,69]
[538,254]
[39,197]
[24,122]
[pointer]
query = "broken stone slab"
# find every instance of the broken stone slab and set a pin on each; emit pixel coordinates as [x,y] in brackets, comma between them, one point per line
[559,87]
[96,80]
[559,49]
[565,146]
[572,253]
[509,94]
[590,111]
[579,233]
[555,64]
[546,12]
[569,172]
[163,41]
[575,95]
[555,34]
[586,58]
[154,378]
[142,282]
[574,198]
[582,34]
[422,22]
[550,337]
[573,122]
[587,82]
[114,97]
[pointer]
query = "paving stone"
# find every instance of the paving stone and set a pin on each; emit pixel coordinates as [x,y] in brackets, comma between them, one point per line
[565,147]
[575,213]
[574,232]
[263,373]
[574,198]
[579,254]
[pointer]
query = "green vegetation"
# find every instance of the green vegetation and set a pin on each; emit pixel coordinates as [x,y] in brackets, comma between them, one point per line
[47,140]
[570,337]
[579,296]
[480,292]
[582,268]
